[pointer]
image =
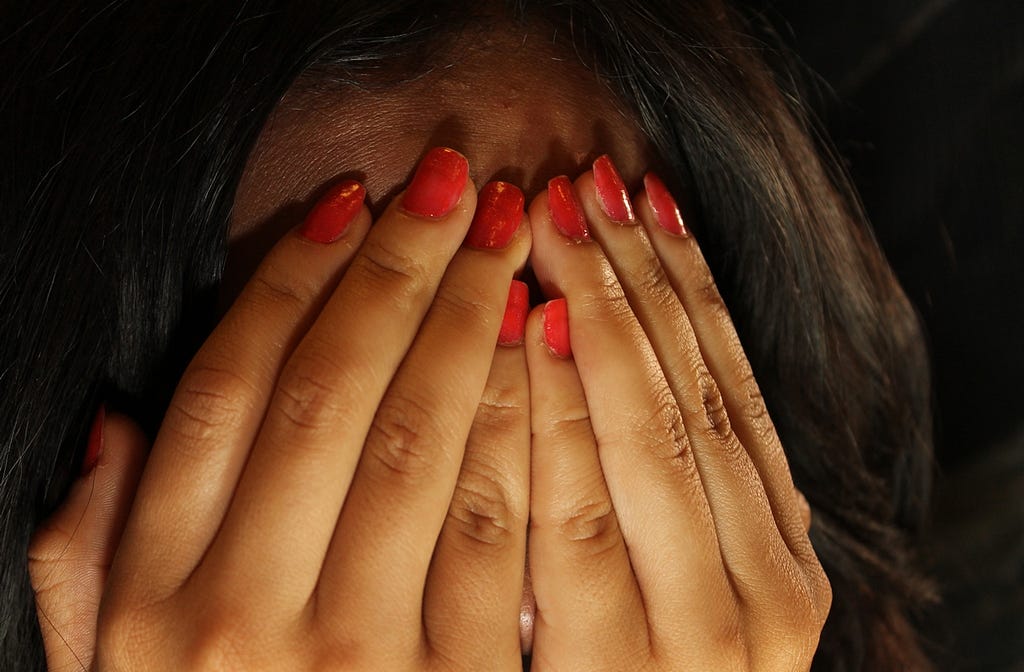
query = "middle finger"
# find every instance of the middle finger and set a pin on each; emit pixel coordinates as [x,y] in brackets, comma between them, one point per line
[386,534]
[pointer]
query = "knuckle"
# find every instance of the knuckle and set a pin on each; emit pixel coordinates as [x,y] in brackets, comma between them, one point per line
[501,408]
[309,393]
[591,523]
[754,408]
[389,272]
[483,509]
[665,429]
[710,297]
[607,301]
[670,422]
[796,616]
[463,306]
[713,404]
[264,290]
[210,399]
[570,428]
[795,642]
[651,281]
[402,437]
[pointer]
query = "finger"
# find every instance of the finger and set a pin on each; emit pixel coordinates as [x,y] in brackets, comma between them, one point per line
[287,501]
[71,552]
[643,447]
[217,408]
[712,326]
[737,451]
[475,583]
[410,464]
[753,551]
[589,608]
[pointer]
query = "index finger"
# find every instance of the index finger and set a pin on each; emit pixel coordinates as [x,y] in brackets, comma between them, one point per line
[219,403]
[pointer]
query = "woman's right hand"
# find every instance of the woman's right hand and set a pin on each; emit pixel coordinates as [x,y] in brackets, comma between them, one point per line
[297,510]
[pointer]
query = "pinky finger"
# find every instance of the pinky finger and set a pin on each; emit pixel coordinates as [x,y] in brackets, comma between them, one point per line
[71,552]
[589,605]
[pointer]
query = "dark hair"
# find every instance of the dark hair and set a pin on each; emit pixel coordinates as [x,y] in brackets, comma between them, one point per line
[125,128]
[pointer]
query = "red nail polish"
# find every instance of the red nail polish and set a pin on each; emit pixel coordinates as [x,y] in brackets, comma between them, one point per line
[95,446]
[565,210]
[330,217]
[437,186]
[499,211]
[556,328]
[611,191]
[513,326]
[666,211]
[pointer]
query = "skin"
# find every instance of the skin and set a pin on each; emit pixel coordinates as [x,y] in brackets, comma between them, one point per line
[360,493]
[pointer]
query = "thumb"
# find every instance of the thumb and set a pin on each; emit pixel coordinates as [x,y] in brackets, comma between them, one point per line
[71,552]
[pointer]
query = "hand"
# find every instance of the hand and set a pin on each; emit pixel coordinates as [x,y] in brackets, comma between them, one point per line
[303,505]
[71,552]
[665,533]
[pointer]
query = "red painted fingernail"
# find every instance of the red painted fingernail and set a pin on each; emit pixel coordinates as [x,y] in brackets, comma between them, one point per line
[556,328]
[330,217]
[438,183]
[666,211]
[565,210]
[95,446]
[499,211]
[611,191]
[513,326]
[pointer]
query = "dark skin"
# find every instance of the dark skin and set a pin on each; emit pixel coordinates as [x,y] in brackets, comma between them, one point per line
[543,116]
[361,493]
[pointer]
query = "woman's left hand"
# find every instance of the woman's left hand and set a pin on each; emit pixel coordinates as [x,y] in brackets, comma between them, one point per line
[665,532]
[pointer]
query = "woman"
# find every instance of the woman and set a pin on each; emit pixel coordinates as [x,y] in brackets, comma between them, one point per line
[179,148]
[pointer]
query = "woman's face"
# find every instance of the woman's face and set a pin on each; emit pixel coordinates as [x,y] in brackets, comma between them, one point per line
[519,106]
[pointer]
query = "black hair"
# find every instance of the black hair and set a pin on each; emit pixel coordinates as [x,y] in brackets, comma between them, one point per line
[125,127]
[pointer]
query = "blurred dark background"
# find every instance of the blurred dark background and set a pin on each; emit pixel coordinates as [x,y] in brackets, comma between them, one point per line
[925,100]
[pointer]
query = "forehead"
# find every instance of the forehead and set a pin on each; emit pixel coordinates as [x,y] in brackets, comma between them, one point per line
[519,104]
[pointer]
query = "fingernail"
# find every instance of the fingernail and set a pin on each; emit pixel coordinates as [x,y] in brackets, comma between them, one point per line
[499,211]
[330,217]
[438,183]
[513,326]
[95,447]
[611,191]
[565,210]
[666,211]
[556,328]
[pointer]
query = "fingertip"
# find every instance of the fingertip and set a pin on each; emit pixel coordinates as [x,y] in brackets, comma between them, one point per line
[94,445]
[664,209]
[535,324]
[609,190]
[439,185]
[556,328]
[334,213]
[513,323]
[125,442]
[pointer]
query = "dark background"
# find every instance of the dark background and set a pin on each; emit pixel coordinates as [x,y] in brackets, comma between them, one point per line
[925,100]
